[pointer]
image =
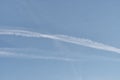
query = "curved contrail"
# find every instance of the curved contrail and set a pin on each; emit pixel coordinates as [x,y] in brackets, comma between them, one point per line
[63,38]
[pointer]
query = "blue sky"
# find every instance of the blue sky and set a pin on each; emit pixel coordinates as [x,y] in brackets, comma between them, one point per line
[96,20]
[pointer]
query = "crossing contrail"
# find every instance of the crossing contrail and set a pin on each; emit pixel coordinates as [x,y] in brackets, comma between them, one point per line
[63,38]
[28,56]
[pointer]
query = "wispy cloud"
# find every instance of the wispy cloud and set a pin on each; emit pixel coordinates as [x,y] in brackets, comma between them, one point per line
[64,38]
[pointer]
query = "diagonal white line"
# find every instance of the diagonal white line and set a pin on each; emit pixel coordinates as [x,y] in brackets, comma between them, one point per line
[64,38]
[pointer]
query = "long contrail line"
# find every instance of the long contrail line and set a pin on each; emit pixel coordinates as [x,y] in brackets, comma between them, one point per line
[63,38]
[13,54]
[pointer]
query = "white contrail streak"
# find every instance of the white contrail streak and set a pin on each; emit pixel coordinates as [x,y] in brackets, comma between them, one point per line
[12,54]
[64,38]
[4,53]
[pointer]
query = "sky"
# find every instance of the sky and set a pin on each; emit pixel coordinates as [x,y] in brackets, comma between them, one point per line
[59,40]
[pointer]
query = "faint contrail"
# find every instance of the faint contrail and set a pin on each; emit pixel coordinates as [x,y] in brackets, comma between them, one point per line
[12,54]
[64,38]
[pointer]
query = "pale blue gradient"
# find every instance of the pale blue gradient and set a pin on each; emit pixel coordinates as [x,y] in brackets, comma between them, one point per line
[97,20]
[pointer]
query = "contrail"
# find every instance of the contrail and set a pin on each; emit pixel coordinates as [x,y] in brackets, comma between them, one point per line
[4,53]
[63,38]
[13,54]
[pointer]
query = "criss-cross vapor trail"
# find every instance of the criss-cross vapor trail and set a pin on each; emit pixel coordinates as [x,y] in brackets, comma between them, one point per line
[63,38]
[20,55]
